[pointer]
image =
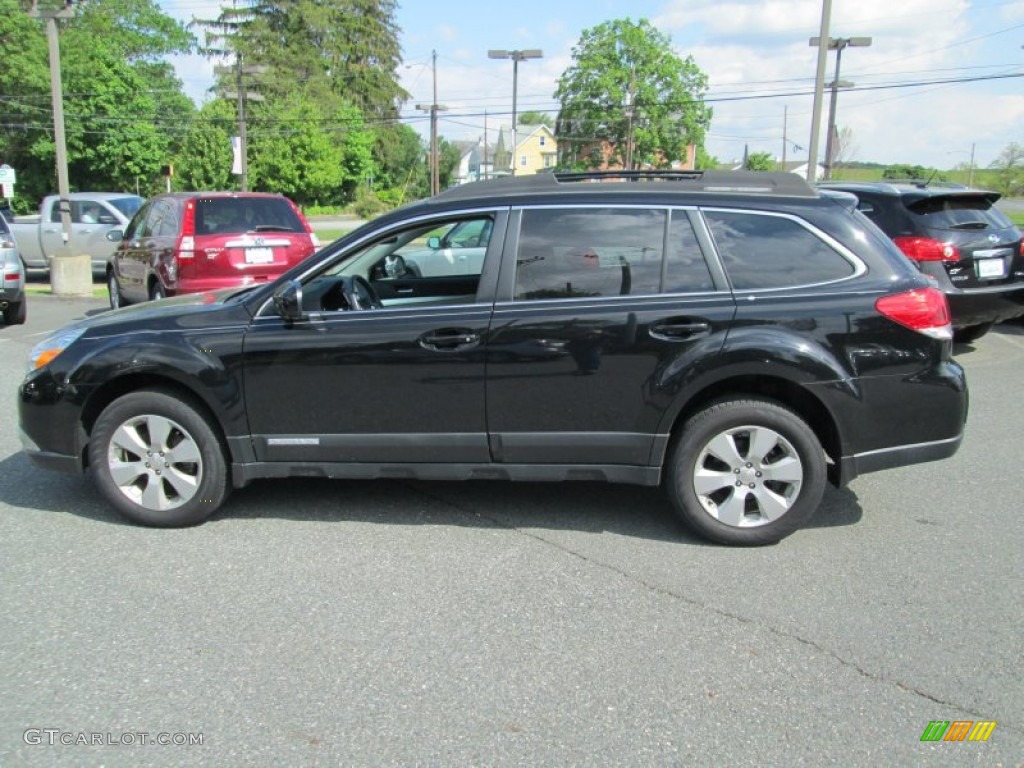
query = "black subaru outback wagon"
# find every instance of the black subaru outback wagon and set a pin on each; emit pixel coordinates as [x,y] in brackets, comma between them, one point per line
[737,337]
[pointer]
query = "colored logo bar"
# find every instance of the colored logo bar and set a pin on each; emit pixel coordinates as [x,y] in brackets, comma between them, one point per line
[958,730]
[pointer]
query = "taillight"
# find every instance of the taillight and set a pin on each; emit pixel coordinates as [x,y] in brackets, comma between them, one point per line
[187,248]
[6,242]
[926,249]
[924,310]
[188,225]
[12,277]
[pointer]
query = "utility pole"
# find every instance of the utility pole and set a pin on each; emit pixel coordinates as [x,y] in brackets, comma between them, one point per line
[433,108]
[242,95]
[819,89]
[785,115]
[483,168]
[630,109]
[70,274]
[57,98]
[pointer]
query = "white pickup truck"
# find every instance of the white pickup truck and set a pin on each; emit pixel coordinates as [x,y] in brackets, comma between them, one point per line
[93,214]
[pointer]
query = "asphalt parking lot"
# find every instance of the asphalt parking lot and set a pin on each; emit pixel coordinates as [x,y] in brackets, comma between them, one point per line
[322,623]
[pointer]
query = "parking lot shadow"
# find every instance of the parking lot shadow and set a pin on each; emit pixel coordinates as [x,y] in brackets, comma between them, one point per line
[590,507]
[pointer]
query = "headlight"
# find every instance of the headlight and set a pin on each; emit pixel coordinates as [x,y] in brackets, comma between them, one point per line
[47,349]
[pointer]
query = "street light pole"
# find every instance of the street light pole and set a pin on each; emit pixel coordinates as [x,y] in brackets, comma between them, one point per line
[516,56]
[837,44]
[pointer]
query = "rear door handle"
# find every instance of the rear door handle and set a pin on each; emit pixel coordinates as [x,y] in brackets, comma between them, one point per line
[679,331]
[449,340]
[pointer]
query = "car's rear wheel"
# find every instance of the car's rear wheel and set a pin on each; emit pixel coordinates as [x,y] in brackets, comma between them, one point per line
[114,291]
[746,472]
[16,313]
[971,333]
[156,292]
[158,460]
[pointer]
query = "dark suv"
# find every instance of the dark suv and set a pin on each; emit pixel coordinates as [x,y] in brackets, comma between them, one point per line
[958,237]
[737,337]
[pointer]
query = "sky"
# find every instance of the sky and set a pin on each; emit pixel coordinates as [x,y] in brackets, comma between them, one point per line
[942,79]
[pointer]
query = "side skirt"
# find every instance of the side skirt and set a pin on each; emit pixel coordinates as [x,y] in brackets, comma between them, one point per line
[243,473]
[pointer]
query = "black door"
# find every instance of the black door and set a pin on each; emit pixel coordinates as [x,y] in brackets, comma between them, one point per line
[599,333]
[401,383]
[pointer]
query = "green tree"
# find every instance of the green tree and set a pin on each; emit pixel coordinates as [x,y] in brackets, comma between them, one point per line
[123,106]
[706,162]
[401,160]
[333,50]
[1010,169]
[536,118]
[311,157]
[205,157]
[626,88]
[760,161]
[448,157]
[906,171]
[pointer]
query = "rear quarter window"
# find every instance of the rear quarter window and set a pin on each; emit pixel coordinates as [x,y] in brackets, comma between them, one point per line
[764,251]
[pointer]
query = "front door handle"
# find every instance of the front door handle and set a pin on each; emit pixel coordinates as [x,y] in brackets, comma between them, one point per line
[682,330]
[450,340]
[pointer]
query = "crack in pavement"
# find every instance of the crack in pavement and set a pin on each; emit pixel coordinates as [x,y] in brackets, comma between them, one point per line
[662,590]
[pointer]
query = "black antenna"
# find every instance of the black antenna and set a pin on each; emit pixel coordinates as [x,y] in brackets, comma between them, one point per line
[934,171]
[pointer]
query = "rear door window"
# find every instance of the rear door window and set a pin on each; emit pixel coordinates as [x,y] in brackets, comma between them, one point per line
[763,251]
[587,252]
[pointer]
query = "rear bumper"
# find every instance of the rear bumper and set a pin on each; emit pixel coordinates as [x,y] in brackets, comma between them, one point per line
[205,284]
[12,295]
[986,305]
[898,456]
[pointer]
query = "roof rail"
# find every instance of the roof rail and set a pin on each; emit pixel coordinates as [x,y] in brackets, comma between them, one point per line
[741,182]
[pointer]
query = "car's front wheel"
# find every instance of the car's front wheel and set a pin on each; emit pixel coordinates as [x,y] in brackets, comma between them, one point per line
[158,460]
[746,472]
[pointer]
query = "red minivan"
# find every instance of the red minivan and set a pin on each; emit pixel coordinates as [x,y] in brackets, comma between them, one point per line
[189,242]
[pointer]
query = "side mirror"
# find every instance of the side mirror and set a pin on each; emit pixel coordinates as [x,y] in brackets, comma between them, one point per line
[434,243]
[115,235]
[288,301]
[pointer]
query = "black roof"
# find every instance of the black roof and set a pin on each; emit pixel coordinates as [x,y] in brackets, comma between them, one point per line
[911,190]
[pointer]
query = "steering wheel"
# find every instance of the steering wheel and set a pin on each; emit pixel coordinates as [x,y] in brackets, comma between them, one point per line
[358,293]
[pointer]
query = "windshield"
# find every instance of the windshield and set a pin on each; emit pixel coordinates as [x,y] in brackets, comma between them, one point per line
[127,205]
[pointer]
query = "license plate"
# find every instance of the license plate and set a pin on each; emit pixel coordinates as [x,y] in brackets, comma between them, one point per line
[991,268]
[259,255]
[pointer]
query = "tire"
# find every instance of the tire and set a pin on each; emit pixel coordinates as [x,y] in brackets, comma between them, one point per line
[723,490]
[158,426]
[971,333]
[114,291]
[16,314]
[156,292]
